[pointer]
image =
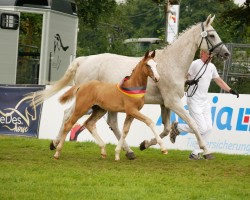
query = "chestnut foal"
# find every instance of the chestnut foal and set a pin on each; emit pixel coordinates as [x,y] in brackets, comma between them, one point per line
[126,96]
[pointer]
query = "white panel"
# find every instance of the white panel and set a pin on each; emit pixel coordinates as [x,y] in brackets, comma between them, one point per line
[231,127]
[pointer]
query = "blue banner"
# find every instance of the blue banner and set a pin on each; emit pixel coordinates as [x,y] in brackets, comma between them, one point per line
[18,113]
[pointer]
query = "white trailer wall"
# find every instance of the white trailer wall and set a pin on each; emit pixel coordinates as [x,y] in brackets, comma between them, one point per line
[62,43]
[9,51]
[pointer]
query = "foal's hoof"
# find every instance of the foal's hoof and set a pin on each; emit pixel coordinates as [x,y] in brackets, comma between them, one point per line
[209,156]
[130,155]
[142,145]
[164,151]
[52,146]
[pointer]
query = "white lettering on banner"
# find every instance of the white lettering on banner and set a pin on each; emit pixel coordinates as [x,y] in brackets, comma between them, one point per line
[230,116]
[10,120]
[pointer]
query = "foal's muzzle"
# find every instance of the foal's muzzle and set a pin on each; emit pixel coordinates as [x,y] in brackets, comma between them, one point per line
[156,79]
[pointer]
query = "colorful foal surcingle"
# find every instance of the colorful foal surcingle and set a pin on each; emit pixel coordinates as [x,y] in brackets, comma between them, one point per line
[135,92]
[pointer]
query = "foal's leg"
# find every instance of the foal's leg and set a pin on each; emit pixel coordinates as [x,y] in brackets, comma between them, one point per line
[67,127]
[126,127]
[66,116]
[113,124]
[165,113]
[90,124]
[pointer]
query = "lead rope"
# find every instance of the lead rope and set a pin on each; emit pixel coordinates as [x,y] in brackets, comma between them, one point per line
[197,79]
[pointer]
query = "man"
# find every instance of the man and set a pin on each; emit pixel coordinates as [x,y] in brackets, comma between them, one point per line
[199,76]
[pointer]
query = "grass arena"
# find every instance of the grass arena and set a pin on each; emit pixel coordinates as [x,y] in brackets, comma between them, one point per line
[29,171]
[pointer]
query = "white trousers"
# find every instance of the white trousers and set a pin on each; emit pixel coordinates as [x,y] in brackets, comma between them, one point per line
[203,118]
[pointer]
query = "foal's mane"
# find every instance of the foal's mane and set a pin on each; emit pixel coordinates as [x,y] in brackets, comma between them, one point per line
[136,67]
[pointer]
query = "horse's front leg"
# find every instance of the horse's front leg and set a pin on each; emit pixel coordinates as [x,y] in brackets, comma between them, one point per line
[113,124]
[165,113]
[181,112]
[126,127]
[90,124]
[67,113]
[150,124]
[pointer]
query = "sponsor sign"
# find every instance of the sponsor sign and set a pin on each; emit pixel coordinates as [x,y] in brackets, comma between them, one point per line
[18,113]
[173,23]
[231,125]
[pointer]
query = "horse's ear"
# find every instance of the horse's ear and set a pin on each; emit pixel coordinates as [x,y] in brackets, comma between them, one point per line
[153,54]
[209,20]
[146,54]
[212,19]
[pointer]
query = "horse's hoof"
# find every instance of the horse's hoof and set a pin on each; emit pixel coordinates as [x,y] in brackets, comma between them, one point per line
[209,156]
[104,156]
[142,145]
[164,151]
[56,157]
[130,155]
[52,146]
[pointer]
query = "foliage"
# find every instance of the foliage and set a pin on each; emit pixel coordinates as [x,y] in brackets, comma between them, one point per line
[239,18]
[111,30]
[28,171]
[137,18]
[91,11]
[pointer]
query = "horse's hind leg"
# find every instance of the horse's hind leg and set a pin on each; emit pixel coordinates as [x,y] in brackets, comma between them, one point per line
[90,124]
[165,113]
[113,124]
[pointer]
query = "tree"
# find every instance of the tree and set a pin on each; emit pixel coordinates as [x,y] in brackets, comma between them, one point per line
[239,19]
[91,11]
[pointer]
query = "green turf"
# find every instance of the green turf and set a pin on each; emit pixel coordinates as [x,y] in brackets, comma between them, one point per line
[28,171]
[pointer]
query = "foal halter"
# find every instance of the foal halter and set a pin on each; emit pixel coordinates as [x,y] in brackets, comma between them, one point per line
[211,48]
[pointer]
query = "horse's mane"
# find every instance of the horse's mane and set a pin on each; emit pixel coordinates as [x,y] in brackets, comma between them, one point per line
[181,34]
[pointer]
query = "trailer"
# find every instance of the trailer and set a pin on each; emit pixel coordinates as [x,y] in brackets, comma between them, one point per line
[22,61]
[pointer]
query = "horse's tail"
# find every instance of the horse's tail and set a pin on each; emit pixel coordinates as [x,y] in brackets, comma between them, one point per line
[57,86]
[69,94]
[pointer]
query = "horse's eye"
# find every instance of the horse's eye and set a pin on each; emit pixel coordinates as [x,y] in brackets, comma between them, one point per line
[212,36]
[148,65]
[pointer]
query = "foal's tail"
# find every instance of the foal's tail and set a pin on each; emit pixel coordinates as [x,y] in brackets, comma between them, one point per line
[68,95]
[67,78]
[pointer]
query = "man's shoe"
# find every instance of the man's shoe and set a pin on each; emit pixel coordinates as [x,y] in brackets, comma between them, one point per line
[174,131]
[193,156]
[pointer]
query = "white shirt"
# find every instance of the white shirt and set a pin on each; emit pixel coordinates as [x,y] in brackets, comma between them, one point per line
[201,95]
